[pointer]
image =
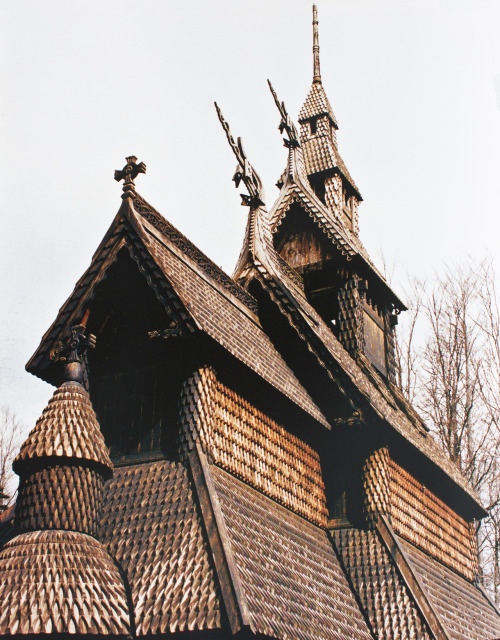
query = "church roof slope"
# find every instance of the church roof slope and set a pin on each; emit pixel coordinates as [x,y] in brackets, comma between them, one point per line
[67,428]
[317,104]
[465,611]
[218,305]
[151,526]
[69,585]
[293,584]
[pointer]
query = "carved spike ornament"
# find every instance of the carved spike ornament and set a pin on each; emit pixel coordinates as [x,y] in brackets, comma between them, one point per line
[244,171]
[129,173]
[73,352]
[286,123]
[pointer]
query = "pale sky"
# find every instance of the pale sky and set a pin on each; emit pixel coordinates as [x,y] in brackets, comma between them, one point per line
[414,84]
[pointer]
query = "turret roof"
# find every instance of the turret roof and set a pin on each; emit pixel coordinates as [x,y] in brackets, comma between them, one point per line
[67,428]
[317,104]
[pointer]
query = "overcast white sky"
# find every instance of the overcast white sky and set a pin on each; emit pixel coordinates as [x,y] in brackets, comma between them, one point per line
[415,86]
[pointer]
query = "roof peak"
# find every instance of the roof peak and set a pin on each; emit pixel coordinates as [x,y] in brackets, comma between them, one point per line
[317,73]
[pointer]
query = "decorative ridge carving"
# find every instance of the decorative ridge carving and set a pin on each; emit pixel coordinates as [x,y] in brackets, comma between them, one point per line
[244,171]
[286,123]
[169,231]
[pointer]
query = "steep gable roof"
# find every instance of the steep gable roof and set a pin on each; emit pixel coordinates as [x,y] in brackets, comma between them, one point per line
[359,381]
[207,298]
[296,188]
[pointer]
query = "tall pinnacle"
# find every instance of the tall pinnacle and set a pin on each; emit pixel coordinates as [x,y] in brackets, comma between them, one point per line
[317,73]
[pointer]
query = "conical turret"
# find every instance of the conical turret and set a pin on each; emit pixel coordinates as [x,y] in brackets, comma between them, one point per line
[71,584]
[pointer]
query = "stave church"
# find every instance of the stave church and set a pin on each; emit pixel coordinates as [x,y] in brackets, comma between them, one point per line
[231,455]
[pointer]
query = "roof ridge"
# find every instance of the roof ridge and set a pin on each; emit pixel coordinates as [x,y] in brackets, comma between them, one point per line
[167,229]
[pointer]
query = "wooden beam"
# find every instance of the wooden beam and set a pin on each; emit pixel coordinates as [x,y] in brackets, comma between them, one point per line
[413,583]
[225,565]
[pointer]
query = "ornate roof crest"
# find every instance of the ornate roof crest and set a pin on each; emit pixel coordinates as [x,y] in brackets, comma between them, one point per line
[129,173]
[244,171]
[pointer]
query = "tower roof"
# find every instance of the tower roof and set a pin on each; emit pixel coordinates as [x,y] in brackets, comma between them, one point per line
[316,104]
[67,428]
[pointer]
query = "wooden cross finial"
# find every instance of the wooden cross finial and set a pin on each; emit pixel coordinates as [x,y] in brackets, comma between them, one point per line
[129,173]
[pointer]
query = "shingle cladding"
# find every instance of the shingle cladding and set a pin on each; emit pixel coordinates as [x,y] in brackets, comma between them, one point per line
[320,154]
[247,443]
[464,610]
[60,582]
[67,428]
[316,104]
[384,597]
[221,317]
[151,526]
[292,580]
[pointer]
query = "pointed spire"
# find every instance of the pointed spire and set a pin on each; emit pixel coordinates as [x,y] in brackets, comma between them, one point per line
[316,104]
[317,73]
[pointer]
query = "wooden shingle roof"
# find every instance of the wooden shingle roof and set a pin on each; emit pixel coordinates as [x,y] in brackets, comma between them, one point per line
[214,302]
[67,428]
[152,527]
[317,104]
[55,582]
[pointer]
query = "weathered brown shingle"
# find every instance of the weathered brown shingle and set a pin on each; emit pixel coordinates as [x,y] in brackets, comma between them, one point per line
[465,612]
[67,428]
[60,582]
[292,581]
[316,104]
[151,526]
[384,597]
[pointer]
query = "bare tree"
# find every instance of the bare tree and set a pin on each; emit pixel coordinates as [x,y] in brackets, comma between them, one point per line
[452,375]
[11,430]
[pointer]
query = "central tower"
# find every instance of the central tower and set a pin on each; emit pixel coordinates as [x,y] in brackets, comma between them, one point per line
[316,231]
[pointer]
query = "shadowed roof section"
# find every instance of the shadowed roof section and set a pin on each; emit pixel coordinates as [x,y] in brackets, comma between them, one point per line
[151,526]
[293,584]
[218,305]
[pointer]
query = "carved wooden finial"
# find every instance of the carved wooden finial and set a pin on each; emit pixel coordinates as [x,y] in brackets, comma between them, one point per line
[317,74]
[72,352]
[129,173]
[286,123]
[244,171]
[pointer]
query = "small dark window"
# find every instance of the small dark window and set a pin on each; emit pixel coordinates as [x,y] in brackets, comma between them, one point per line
[313,126]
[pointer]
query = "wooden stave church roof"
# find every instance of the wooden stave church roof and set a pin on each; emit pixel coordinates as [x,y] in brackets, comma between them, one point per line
[235,508]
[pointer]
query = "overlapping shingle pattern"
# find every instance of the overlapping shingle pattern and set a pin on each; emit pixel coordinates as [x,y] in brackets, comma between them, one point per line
[464,610]
[377,484]
[385,599]
[316,104]
[67,428]
[423,519]
[358,379]
[292,581]
[60,497]
[223,319]
[321,154]
[60,582]
[418,515]
[219,306]
[151,526]
[247,443]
